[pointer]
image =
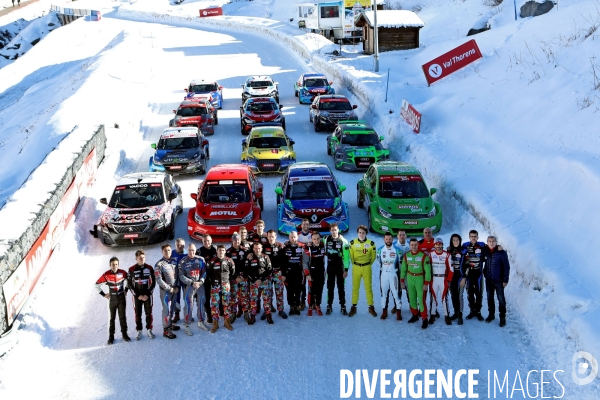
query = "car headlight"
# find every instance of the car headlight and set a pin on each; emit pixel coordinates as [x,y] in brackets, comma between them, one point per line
[289,213]
[337,211]
[156,161]
[110,226]
[273,93]
[162,222]
[248,120]
[198,218]
[432,213]
[195,159]
[277,118]
[384,213]
[248,218]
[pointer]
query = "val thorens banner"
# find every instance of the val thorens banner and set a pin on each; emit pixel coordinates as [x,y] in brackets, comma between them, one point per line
[451,61]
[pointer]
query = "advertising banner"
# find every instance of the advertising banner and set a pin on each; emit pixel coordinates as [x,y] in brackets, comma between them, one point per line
[22,281]
[411,116]
[211,12]
[451,62]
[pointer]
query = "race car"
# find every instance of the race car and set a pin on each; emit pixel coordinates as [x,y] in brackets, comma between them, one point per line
[396,198]
[260,109]
[180,151]
[326,110]
[355,145]
[268,149]
[260,86]
[310,85]
[206,101]
[201,86]
[230,197]
[141,210]
[195,113]
[310,190]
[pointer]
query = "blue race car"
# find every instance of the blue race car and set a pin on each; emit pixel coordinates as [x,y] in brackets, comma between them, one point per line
[201,86]
[310,85]
[180,150]
[310,190]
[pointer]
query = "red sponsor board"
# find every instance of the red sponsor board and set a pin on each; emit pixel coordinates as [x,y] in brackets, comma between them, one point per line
[22,281]
[211,12]
[411,116]
[451,62]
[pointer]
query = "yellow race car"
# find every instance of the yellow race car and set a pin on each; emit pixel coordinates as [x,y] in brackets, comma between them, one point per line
[267,149]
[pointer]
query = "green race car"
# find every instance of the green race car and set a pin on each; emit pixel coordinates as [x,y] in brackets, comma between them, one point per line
[355,146]
[396,198]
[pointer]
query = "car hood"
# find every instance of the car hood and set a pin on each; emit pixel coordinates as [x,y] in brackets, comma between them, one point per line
[359,149]
[132,215]
[407,206]
[269,153]
[223,210]
[260,91]
[178,155]
[310,207]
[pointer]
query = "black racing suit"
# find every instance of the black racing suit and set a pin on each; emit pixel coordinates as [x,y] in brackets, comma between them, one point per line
[337,251]
[471,269]
[291,268]
[140,281]
[314,263]
[117,285]
[208,254]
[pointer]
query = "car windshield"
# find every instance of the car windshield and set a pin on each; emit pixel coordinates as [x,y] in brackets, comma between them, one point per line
[225,192]
[137,196]
[259,84]
[268,142]
[397,188]
[361,139]
[335,105]
[265,106]
[315,82]
[178,143]
[208,87]
[308,190]
[192,111]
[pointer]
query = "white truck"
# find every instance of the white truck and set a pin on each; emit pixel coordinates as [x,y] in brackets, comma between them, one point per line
[329,19]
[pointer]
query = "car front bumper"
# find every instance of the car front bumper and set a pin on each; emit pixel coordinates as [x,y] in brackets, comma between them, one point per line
[150,235]
[286,225]
[219,232]
[413,227]
[179,169]
[259,166]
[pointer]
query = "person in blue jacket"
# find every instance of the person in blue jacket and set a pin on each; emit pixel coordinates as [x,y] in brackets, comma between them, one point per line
[496,270]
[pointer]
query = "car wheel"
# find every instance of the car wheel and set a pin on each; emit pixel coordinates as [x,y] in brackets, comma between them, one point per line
[360,202]
[216,121]
[170,123]
[328,149]
[203,169]
[317,125]
[277,99]
[310,118]
[261,204]
[299,100]
[369,222]
[296,93]
[172,230]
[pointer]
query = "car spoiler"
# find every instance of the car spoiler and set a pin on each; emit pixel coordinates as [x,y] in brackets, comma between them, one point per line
[267,124]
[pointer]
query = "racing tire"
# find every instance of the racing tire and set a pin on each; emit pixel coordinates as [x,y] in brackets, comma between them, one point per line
[204,167]
[296,93]
[277,99]
[170,123]
[172,230]
[261,204]
[310,118]
[216,121]
[317,125]
[328,149]
[299,100]
[369,222]
[360,203]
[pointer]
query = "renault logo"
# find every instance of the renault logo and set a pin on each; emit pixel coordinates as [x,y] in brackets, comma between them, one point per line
[314,218]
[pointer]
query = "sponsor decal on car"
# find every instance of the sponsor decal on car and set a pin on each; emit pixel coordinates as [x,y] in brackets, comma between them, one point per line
[130,235]
[213,213]
[411,222]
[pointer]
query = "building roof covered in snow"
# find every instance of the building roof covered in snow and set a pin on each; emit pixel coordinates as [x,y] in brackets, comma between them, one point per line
[391,19]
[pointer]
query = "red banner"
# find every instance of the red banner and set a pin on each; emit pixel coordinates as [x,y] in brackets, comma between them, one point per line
[22,281]
[211,12]
[451,62]
[411,116]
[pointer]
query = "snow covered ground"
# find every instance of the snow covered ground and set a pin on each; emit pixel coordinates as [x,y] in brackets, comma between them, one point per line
[509,142]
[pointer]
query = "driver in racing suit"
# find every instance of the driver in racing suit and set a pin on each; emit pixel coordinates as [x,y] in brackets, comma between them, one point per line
[441,277]
[388,257]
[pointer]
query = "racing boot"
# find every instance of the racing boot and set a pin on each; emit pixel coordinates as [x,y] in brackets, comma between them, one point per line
[490,318]
[282,314]
[202,326]
[111,339]
[168,334]
[319,312]
[384,313]
[174,327]
[227,325]
[176,317]
[372,311]
[454,316]
[437,314]
[394,310]
[240,313]
[263,316]
[398,315]
[215,326]
[447,319]
[460,319]
[502,322]
[352,311]
[301,308]
[269,319]
[471,315]
[412,319]
[188,331]
[432,319]
[344,312]
[479,316]
[151,335]
[424,325]
[310,310]
[246,316]
[251,320]
[232,318]
[329,310]
[126,337]
[138,336]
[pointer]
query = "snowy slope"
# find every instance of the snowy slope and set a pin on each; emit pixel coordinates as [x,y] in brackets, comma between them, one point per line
[506,139]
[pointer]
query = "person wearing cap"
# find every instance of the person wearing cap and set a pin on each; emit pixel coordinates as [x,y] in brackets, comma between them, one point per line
[389,257]
[362,255]
[440,283]
[415,275]
[239,285]
[496,270]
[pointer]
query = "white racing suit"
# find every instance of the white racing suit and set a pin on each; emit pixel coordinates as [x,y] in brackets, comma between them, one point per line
[389,259]
[440,283]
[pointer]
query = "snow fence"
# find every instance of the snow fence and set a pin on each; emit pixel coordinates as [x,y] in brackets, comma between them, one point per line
[552,329]
[37,214]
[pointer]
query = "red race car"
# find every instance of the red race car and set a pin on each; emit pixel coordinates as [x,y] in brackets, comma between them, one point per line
[199,113]
[229,197]
[260,109]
